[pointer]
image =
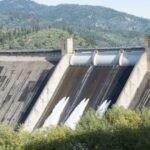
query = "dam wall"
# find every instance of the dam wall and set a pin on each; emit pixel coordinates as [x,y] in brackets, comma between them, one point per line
[133,82]
[91,78]
[47,94]
[38,89]
[86,79]
[23,75]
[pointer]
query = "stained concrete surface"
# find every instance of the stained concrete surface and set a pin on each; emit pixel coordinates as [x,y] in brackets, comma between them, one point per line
[20,82]
[96,83]
[142,98]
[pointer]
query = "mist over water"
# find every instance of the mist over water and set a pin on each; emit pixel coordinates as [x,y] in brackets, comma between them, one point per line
[54,117]
[75,116]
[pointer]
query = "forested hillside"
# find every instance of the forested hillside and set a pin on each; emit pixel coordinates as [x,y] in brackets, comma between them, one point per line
[99,26]
[36,38]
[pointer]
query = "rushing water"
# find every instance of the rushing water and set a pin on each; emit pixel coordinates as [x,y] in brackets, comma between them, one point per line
[54,117]
[84,80]
[75,116]
[102,108]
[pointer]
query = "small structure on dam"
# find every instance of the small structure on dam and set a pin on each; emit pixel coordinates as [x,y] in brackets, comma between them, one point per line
[39,89]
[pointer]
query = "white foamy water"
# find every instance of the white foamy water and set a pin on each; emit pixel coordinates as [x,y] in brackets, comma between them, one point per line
[84,81]
[75,116]
[54,117]
[103,108]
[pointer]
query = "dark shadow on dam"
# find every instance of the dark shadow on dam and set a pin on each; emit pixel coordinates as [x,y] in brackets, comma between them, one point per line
[94,83]
[42,81]
[21,82]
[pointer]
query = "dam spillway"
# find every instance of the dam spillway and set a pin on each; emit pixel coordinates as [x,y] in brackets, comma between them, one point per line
[100,84]
[39,88]
[91,79]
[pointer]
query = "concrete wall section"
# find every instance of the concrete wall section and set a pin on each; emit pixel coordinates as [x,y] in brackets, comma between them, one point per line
[49,55]
[82,59]
[68,47]
[142,96]
[21,82]
[133,82]
[147,49]
[47,93]
[21,59]
[108,58]
[130,58]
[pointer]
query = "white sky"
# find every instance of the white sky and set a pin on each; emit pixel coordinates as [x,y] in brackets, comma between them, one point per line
[139,8]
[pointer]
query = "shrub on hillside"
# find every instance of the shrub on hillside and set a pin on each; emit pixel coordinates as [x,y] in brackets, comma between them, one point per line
[118,129]
[8,138]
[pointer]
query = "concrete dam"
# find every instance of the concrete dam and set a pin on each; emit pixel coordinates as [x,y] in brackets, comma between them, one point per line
[88,78]
[50,88]
[97,83]
[23,76]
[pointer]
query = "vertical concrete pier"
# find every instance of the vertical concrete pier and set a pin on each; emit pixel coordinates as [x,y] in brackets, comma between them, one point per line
[68,47]
[47,94]
[136,78]
[147,50]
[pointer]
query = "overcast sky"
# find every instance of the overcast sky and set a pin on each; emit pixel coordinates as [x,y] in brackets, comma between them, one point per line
[136,7]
